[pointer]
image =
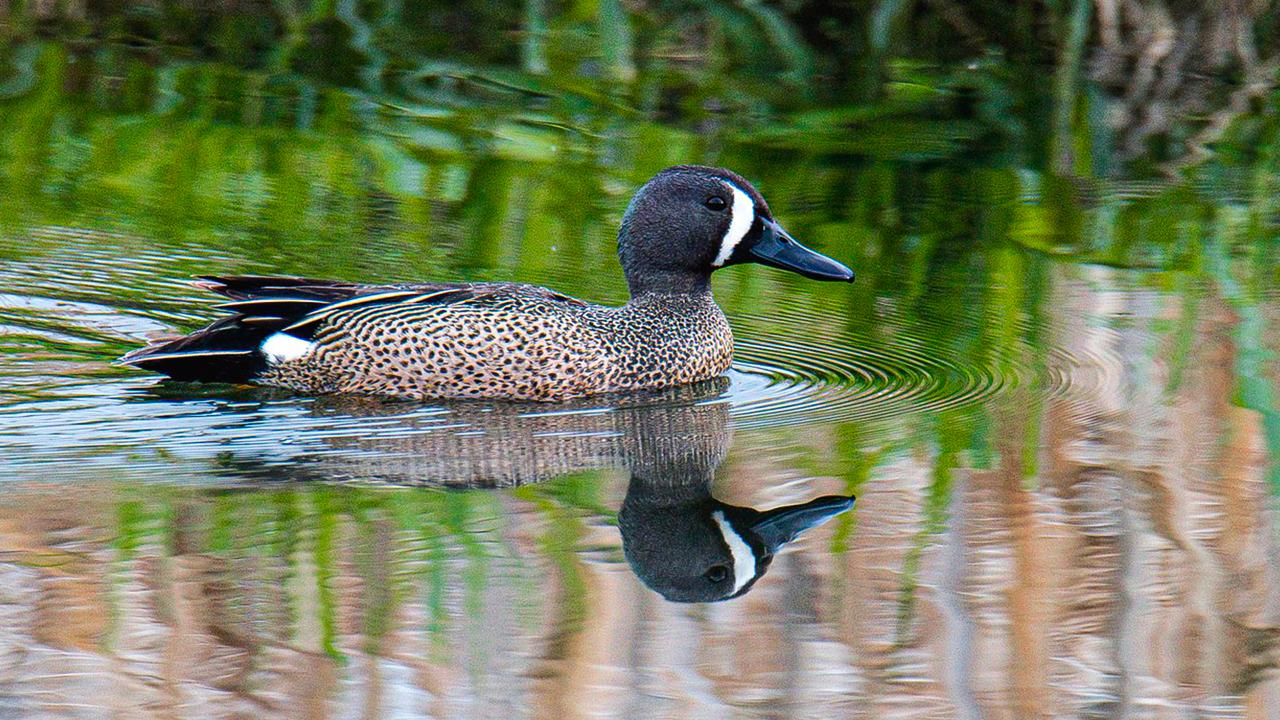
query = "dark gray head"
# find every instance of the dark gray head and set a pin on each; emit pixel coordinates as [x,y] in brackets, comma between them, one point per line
[690,220]
[690,547]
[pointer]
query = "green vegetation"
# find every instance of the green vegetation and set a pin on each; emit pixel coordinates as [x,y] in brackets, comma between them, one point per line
[1059,84]
[959,156]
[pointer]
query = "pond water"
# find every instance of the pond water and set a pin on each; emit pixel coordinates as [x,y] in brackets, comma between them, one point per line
[1054,399]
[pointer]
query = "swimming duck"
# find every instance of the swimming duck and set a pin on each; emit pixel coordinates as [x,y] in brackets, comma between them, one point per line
[506,340]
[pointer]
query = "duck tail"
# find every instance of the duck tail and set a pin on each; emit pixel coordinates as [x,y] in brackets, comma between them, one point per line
[227,351]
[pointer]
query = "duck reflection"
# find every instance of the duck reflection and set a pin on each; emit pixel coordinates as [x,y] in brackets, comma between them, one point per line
[680,540]
[690,547]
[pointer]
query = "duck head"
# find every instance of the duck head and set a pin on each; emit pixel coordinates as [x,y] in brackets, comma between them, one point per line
[689,221]
[690,547]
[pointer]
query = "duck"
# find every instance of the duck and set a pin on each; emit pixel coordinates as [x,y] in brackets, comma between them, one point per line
[504,340]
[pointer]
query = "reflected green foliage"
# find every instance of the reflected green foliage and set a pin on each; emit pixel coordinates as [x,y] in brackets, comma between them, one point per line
[963,164]
[324,554]
[539,80]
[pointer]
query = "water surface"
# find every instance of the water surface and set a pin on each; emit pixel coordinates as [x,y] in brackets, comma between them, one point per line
[1054,399]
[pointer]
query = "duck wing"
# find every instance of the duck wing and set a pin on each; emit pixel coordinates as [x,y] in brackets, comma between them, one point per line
[248,287]
[231,348]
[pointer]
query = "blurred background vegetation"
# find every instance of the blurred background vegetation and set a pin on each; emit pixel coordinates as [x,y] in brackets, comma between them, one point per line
[1087,87]
[268,128]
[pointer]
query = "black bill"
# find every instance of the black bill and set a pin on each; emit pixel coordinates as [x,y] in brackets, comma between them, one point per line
[776,248]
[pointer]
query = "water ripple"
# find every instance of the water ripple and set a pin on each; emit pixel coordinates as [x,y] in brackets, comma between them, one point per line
[855,379]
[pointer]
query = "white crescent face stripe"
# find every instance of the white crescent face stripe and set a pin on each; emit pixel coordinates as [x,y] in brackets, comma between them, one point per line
[744,561]
[744,215]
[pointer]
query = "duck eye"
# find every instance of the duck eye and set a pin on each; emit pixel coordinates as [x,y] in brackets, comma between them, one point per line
[717,573]
[715,202]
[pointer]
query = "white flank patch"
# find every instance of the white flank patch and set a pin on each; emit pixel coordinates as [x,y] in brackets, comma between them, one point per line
[744,214]
[744,561]
[283,347]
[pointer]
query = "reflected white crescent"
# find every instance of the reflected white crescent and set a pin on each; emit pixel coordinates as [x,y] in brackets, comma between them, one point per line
[744,560]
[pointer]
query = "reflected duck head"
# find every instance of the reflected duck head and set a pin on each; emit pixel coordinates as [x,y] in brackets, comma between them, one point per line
[694,548]
[690,220]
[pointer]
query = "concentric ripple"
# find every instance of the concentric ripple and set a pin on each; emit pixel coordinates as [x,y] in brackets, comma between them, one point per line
[850,379]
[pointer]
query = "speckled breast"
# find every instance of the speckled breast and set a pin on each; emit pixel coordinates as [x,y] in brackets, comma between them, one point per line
[667,340]
[525,350]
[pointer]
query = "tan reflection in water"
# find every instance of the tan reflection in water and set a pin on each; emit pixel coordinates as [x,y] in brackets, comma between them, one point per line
[1115,556]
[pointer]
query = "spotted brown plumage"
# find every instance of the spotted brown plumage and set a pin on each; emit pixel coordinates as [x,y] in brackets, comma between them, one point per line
[506,340]
[514,342]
